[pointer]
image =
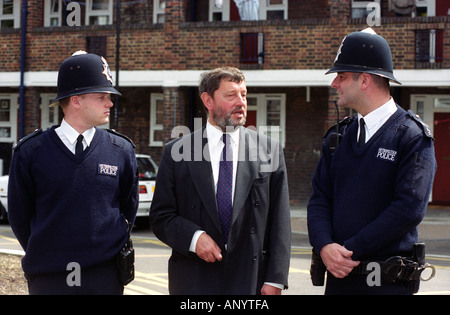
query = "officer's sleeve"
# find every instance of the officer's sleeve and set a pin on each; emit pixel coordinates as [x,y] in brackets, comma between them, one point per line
[320,204]
[20,198]
[412,191]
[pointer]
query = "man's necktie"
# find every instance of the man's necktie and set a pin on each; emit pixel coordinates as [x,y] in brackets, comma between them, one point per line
[79,145]
[362,133]
[224,187]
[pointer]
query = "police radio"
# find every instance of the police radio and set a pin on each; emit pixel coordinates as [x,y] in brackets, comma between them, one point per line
[335,137]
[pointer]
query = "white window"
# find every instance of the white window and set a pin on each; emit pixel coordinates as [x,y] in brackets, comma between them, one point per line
[267,113]
[49,115]
[159,7]
[156,119]
[9,13]
[413,7]
[219,10]
[52,12]
[99,12]
[425,8]
[359,8]
[273,9]
[8,117]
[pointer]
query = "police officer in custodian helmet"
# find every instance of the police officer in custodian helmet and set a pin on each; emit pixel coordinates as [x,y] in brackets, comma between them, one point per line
[73,195]
[371,191]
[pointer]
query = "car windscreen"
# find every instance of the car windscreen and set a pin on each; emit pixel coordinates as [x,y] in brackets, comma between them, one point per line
[146,169]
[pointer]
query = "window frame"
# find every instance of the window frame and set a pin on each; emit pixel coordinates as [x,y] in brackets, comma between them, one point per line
[262,111]
[12,122]
[15,16]
[159,8]
[154,98]
[91,12]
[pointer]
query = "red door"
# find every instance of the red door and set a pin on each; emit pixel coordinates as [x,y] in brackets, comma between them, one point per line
[441,186]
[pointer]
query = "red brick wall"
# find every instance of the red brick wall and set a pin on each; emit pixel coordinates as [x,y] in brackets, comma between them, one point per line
[308,40]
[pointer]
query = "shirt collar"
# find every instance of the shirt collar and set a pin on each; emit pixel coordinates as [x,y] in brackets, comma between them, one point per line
[214,135]
[379,114]
[72,135]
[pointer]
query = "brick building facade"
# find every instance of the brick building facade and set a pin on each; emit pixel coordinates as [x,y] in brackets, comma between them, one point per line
[166,45]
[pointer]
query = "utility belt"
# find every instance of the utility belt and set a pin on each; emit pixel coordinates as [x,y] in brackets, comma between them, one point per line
[393,269]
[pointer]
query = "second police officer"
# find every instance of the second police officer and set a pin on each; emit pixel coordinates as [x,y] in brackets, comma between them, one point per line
[371,191]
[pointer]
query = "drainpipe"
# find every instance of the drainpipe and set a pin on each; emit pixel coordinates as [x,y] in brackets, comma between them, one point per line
[116,107]
[22,70]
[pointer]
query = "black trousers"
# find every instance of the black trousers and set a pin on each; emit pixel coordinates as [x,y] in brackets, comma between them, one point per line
[97,280]
[357,285]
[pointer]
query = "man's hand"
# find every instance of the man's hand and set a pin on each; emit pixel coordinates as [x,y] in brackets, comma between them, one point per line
[338,260]
[207,249]
[267,289]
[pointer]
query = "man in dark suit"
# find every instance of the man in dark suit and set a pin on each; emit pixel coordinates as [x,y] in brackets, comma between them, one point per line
[221,200]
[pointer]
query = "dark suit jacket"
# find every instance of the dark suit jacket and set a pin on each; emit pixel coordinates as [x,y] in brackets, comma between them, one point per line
[258,249]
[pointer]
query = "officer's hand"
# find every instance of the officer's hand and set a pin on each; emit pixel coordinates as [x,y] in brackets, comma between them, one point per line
[338,260]
[207,249]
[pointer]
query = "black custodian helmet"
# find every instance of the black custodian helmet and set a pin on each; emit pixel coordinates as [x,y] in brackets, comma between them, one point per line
[83,73]
[367,52]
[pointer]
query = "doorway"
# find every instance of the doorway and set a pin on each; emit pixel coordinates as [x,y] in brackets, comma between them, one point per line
[441,187]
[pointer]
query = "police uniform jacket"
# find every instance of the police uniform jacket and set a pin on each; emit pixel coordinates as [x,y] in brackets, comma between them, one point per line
[371,198]
[65,208]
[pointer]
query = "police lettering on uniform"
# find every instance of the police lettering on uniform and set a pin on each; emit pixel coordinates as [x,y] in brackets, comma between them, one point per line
[73,190]
[371,191]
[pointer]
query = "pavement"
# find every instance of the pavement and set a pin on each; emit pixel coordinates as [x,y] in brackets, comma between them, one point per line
[434,230]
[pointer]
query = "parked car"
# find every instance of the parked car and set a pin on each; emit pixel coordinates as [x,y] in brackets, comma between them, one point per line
[147,169]
[3,198]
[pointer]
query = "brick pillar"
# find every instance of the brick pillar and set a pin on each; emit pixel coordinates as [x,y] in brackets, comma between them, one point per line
[340,12]
[174,15]
[32,110]
[174,110]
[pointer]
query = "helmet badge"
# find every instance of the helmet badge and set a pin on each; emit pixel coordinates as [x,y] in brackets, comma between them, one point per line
[106,71]
[340,49]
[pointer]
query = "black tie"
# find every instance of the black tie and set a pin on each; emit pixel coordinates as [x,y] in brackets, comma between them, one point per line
[362,133]
[79,145]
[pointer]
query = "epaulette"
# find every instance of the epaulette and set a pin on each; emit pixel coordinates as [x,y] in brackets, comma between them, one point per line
[26,138]
[343,123]
[122,136]
[424,126]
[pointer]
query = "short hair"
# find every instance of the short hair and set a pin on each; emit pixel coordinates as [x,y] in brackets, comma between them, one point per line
[210,81]
[380,82]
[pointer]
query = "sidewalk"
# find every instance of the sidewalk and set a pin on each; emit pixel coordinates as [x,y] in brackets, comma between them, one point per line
[435,225]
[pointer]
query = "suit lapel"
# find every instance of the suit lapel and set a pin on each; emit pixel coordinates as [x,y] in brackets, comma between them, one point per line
[201,174]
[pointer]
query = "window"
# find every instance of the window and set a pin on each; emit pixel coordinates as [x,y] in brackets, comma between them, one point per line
[425,8]
[359,8]
[219,10]
[96,12]
[9,14]
[49,115]
[8,117]
[156,119]
[96,45]
[226,10]
[267,112]
[273,10]
[52,13]
[252,48]
[159,7]
[99,12]
[413,7]
[429,46]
